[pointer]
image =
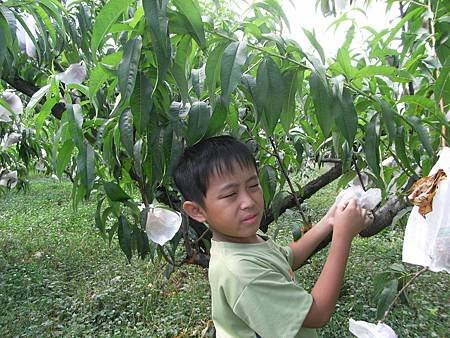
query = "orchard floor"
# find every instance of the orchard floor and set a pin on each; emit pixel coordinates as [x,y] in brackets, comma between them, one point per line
[59,278]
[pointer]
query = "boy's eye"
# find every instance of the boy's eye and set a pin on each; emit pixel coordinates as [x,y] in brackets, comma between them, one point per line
[254,186]
[229,195]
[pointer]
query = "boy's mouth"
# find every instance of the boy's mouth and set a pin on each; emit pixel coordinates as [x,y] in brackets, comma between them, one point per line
[250,219]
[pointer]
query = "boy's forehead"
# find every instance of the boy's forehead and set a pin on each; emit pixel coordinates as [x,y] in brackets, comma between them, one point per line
[237,173]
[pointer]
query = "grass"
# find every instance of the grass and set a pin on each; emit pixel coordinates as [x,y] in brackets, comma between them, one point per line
[59,278]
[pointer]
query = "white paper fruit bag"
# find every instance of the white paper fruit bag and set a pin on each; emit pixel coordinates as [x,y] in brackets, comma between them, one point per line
[427,238]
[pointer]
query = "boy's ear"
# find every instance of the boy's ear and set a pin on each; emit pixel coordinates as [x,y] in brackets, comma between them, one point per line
[194,211]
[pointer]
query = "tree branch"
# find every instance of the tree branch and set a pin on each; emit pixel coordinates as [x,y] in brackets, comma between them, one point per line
[30,89]
[309,189]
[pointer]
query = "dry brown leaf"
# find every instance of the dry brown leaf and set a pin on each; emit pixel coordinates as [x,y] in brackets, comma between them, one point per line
[423,190]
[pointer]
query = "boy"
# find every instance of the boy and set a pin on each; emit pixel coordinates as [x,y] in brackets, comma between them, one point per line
[253,288]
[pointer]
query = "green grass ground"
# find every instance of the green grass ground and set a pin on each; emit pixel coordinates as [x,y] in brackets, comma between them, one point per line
[59,278]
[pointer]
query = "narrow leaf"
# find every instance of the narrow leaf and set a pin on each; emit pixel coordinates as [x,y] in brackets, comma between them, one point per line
[178,69]
[218,118]
[345,117]
[115,193]
[198,119]
[442,85]
[126,131]
[312,38]
[269,94]
[371,145]
[36,98]
[322,100]
[191,10]
[128,67]
[107,16]
[422,132]
[86,167]
[389,119]
[290,90]
[233,59]
[124,234]
[157,20]
[63,157]
[268,181]
[141,103]
[386,297]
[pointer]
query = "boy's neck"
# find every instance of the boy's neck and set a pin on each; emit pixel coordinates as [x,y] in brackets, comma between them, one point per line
[220,237]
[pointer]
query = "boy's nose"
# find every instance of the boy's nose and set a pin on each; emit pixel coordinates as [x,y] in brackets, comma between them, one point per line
[247,201]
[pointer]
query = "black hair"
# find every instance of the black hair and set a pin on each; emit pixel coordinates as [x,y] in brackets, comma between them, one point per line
[213,156]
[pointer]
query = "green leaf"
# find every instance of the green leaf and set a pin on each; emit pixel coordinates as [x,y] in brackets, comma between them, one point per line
[442,85]
[63,157]
[178,69]
[157,20]
[212,68]
[233,59]
[191,10]
[2,47]
[269,94]
[268,181]
[386,297]
[141,103]
[107,16]
[400,148]
[36,98]
[299,150]
[322,100]
[124,234]
[198,80]
[422,132]
[371,71]
[137,155]
[343,58]
[389,119]
[44,113]
[98,217]
[218,118]
[126,131]
[86,167]
[115,193]
[128,67]
[198,118]
[371,146]
[142,244]
[75,119]
[98,76]
[277,203]
[345,116]
[290,89]
[418,100]
[312,38]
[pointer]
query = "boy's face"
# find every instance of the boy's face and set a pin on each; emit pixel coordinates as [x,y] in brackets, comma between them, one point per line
[234,206]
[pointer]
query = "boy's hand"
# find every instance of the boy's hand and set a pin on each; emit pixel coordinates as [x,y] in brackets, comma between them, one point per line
[350,218]
[329,217]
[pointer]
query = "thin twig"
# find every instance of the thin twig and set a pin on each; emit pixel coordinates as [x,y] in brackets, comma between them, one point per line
[288,180]
[202,235]
[417,274]
[359,174]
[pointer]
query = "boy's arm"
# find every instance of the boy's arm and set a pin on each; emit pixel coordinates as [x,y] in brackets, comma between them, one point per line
[349,221]
[305,246]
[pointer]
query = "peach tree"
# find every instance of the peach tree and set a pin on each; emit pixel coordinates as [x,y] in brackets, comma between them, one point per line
[114,90]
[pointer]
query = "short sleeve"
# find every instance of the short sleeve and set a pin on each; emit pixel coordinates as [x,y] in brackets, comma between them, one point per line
[288,253]
[274,307]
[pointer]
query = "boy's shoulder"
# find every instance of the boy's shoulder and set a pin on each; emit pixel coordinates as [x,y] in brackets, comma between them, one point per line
[231,261]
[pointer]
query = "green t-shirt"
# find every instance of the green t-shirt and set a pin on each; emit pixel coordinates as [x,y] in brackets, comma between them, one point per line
[254,292]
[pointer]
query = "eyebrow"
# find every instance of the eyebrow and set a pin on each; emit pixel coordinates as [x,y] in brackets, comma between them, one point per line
[233,185]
